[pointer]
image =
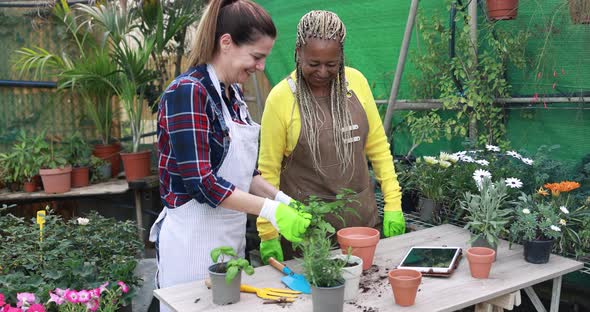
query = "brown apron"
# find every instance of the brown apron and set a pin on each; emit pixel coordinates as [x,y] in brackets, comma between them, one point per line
[299,178]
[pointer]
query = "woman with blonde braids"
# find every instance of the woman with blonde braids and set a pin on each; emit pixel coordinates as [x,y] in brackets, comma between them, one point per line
[319,126]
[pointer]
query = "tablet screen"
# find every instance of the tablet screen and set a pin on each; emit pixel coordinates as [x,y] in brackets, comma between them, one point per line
[429,257]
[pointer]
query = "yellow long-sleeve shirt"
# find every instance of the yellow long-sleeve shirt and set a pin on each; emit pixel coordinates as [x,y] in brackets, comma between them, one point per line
[281,125]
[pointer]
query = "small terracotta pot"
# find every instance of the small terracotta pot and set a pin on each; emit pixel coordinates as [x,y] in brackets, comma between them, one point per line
[502,9]
[362,240]
[80,176]
[405,284]
[480,261]
[29,186]
[137,165]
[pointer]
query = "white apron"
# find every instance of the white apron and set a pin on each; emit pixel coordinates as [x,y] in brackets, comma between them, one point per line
[187,234]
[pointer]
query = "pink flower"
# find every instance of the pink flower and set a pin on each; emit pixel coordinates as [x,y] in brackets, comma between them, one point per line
[83,296]
[8,308]
[25,299]
[2,302]
[60,292]
[95,293]
[72,296]
[36,308]
[92,305]
[124,287]
[103,287]
[56,298]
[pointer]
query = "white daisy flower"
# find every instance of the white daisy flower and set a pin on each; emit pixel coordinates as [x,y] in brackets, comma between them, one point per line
[444,163]
[459,154]
[514,154]
[526,211]
[555,228]
[481,174]
[492,148]
[430,160]
[83,221]
[448,157]
[513,183]
[482,162]
[564,209]
[562,222]
[527,161]
[466,158]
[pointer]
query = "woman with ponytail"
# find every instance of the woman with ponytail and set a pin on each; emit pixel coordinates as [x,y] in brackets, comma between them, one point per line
[208,145]
[319,126]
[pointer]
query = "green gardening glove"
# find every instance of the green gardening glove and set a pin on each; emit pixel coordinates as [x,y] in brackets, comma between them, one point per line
[393,223]
[271,248]
[291,223]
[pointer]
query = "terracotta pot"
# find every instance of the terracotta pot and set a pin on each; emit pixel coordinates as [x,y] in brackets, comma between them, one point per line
[137,165]
[579,12]
[362,240]
[405,284]
[482,242]
[80,176]
[29,186]
[502,9]
[109,152]
[480,261]
[537,251]
[56,180]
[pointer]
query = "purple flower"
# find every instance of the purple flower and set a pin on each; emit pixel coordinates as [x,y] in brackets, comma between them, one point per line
[25,299]
[103,287]
[83,296]
[56,298]
[60,292]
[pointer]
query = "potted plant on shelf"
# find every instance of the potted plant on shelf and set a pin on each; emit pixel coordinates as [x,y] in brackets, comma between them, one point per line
[540,220]
[226,276]
[78,154]
[100,169]
[21,164]
[55,171]
[487,213]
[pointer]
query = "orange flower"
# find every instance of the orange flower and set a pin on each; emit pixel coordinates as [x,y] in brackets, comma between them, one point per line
[542,191]
[564,186]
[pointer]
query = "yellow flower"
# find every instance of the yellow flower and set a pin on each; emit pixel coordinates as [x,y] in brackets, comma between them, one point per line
[542,191]
[430,160]
[562,221]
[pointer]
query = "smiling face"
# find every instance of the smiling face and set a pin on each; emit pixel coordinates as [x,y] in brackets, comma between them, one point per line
[238,62]
[320,60]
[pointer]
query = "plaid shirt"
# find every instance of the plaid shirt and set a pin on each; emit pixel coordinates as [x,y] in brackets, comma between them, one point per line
[193,140]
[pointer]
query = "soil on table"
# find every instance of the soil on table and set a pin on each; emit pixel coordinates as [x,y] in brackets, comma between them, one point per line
[374,281]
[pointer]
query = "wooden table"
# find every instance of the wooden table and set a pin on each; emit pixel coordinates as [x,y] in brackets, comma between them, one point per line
[509,273]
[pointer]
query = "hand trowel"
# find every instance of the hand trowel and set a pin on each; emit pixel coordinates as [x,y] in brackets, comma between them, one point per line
[291,279]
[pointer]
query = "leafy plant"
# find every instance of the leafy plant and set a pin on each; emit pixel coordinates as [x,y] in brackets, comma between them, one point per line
[22,162]
[232,267]
[76,151]
[487,215]
[430,176]
[75,254]
[51,157]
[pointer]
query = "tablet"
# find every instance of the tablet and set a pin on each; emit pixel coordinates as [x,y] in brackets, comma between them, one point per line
[437,260]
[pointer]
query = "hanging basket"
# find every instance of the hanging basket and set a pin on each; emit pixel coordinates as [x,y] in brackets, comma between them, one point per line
[502,9]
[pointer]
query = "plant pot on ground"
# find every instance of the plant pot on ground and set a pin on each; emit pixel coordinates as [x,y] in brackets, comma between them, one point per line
[404,284]
[480,261]
[488,213]
[226,276]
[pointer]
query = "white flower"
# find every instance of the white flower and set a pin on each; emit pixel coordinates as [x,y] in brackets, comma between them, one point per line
[482,162]
[555,228]
[526,211]
[460,154]
[448,157]
[514,154]
[481,174]
[562,221]
[466,158]
[564,209]
[513,183]
[444,164]
[492,148]
[83,221]
[527,161]
[430,160]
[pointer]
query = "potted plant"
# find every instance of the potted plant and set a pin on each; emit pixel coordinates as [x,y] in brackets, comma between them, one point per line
[540,219]
[487,213]
[580,11]
[78,154]
[55,171]
[100,169]
[502,9]
[226,276]
[430,176]
[22,163]
[351,273]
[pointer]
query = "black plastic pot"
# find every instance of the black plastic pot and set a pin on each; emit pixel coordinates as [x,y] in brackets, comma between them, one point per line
[537,251]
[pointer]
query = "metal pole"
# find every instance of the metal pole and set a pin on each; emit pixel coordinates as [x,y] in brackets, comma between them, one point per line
[473,37]
[400,67]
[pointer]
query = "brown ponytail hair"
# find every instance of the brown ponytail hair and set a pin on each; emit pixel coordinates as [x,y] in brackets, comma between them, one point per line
[244,20]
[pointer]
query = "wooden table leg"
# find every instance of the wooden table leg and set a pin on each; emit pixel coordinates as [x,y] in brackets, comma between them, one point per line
[555,294]
[535,299]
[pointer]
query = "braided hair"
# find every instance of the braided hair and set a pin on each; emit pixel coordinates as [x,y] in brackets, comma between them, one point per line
[324,25]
